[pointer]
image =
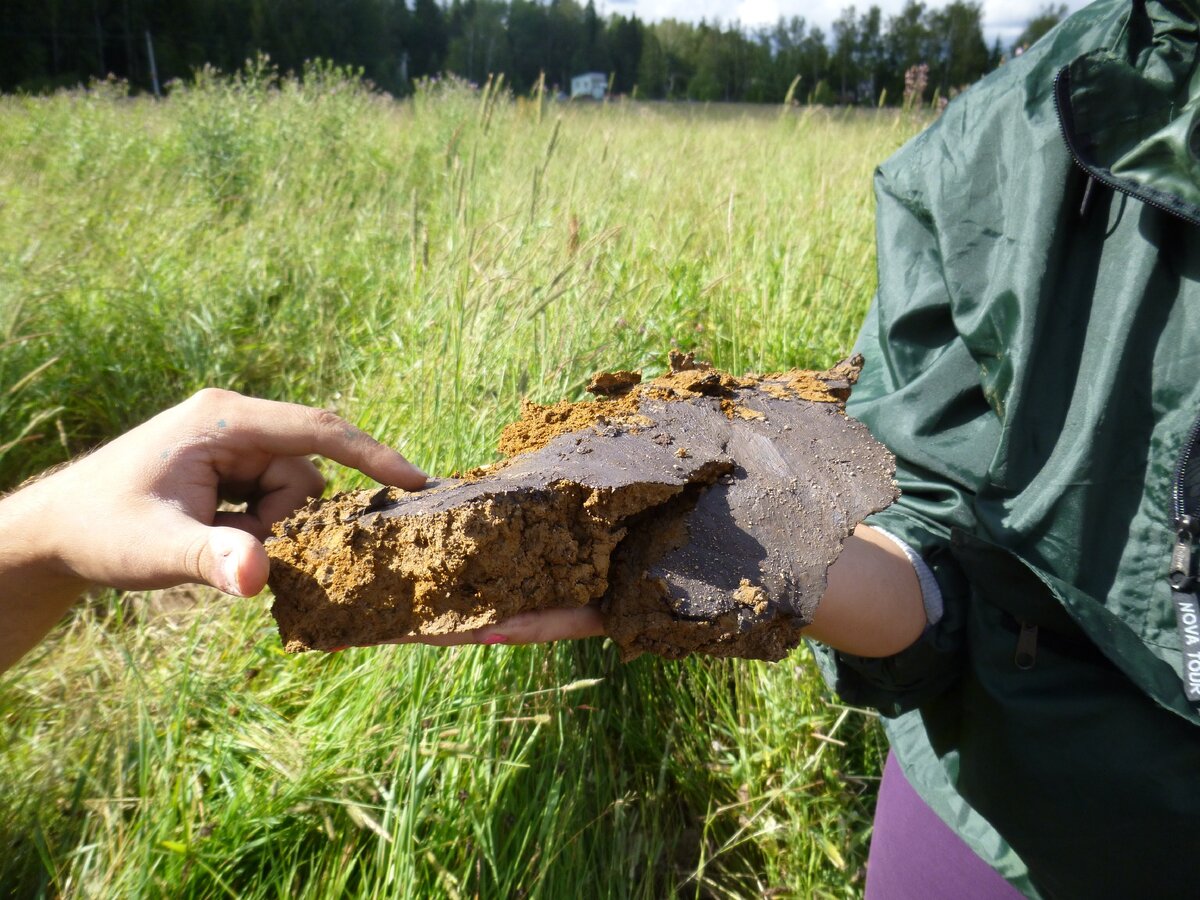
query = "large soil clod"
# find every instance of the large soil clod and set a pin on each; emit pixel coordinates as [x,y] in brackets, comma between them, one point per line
[699,510]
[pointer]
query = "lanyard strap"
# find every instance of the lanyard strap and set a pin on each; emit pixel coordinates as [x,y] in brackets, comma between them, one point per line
[1187,617]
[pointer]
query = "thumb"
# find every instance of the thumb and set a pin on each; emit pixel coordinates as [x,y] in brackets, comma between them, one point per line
[229,559]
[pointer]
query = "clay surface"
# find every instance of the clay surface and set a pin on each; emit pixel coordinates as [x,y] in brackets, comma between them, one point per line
[699,510]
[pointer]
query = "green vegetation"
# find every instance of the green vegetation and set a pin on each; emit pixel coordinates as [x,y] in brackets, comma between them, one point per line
[861,60]
[419,267]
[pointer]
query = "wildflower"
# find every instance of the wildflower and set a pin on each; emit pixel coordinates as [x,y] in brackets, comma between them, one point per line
[916,79]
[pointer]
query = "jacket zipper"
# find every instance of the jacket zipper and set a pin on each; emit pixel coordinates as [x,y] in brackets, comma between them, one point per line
[1060,88]
[1182,575]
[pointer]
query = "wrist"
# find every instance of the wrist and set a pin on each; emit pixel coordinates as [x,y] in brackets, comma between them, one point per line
[36,584]
[873,605]
[32,546]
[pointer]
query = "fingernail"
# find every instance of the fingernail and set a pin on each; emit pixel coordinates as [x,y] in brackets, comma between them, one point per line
[494,639]
[229,573]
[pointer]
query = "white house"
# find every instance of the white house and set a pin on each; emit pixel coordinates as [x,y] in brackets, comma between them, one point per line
[590,85]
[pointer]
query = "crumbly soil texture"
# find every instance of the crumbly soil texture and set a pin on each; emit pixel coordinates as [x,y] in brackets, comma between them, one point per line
[699,511]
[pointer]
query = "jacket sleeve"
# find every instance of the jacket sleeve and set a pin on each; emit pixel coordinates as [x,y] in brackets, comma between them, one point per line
[920,394]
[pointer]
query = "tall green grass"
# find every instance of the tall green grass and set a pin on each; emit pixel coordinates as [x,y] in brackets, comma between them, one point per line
[419,267]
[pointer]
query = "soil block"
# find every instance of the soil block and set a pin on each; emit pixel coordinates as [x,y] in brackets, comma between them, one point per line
[699,511]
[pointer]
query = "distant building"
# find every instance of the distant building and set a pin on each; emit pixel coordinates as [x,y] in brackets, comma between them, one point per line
[589,86]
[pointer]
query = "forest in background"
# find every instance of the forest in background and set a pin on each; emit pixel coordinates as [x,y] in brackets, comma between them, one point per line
[49,44]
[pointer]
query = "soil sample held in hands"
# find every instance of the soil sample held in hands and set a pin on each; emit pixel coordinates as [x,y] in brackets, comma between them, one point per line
[699,510]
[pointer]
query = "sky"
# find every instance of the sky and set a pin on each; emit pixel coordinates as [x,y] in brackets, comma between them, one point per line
[1004,19]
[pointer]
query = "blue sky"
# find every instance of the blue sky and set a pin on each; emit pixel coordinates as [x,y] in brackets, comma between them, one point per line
[1001,18]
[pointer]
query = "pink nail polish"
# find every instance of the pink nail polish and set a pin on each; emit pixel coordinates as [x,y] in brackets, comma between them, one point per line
[494,639]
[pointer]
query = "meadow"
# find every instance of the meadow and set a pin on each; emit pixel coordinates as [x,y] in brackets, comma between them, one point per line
[419,267]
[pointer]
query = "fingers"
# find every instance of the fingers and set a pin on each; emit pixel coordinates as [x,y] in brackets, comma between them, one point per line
[537,627]
[546,625]
[229,559]
[288,429]
[456,639]
[286,484]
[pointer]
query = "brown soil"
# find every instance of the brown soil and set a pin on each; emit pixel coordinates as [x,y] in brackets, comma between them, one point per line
[613,384]
[620,394]
[700,511]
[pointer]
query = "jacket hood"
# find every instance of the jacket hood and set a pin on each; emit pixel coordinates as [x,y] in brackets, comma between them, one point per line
[1130,112]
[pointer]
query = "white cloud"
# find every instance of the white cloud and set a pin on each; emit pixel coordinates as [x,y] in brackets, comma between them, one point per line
[755,11]
[1004,19]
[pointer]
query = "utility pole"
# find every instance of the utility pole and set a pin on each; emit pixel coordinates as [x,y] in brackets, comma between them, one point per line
[153,66]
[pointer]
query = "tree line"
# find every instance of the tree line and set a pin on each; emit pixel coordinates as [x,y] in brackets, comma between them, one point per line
[46,44]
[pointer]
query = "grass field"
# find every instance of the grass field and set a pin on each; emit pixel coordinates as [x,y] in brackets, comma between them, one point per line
[419,267]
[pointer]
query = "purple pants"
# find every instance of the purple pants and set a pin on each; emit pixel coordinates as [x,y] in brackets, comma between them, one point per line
[915,856]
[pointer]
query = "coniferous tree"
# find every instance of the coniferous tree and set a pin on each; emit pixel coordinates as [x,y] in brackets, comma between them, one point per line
[1049,16]
[51,43]
[624,38]
[428,38]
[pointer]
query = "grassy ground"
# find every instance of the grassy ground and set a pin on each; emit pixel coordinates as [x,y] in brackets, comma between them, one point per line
[418,267]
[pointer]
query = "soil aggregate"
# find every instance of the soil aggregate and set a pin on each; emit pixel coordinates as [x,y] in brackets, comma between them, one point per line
[699,511]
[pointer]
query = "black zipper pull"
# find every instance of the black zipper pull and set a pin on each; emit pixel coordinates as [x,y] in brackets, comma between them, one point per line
[1026,654]
[1085,205]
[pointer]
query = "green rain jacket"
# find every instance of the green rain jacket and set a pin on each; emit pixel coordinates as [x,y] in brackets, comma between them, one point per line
[1033,360]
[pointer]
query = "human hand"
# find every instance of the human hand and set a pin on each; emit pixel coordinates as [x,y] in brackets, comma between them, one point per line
[873,607]
[538,627]
[142,511]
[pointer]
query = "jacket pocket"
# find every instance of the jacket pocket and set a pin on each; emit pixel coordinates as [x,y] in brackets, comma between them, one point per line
[1094,785]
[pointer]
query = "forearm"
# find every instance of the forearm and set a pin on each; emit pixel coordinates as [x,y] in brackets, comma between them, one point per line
[142,512]
[873,605]
[36,587]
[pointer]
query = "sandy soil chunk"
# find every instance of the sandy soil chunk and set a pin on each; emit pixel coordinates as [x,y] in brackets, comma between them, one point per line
[700,511]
